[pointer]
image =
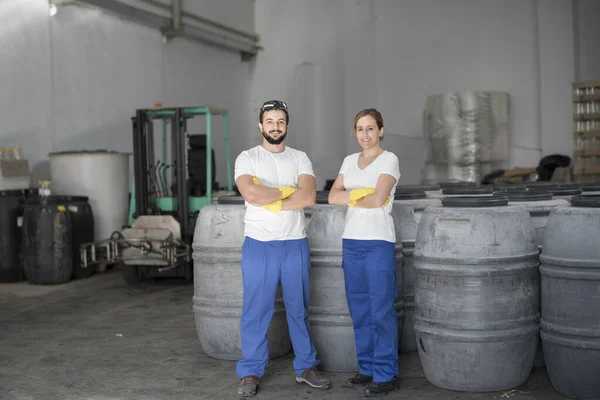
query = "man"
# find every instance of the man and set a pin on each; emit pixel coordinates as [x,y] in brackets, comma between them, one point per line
[277,182]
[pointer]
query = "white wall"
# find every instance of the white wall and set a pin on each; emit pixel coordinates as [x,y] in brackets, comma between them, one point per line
[587,19]
[392,54]
[75,80]
[303,64]
[556,74]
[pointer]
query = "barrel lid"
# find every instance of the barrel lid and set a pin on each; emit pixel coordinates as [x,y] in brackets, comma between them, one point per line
[570,185]
[539,184]
[468,190]
[474,201]
[443,185]
[230,199]
[409,195]
[505,186]
[322,197]
[585,201]
[85,152]
[525,195]
[71,199]
[12,192]
[590,187]
[418,188]
[557,191]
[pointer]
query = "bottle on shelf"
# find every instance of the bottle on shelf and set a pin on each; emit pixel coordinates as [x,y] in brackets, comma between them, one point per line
[44,189]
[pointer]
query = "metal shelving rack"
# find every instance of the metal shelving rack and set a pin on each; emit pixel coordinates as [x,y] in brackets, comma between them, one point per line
[586,117]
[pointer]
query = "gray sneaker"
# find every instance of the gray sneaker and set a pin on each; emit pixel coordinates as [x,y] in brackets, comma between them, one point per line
[248,386]
[314,378]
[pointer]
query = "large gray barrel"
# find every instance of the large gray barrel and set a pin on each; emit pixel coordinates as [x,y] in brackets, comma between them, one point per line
[218,288]
[570,325]
[331,325]
[539,204]
[408,207]
[477,294]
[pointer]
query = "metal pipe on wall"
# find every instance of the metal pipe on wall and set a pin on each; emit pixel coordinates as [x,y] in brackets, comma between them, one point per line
[176,14]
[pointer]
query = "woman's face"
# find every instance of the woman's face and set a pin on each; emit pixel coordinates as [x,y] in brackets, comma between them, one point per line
[367,132]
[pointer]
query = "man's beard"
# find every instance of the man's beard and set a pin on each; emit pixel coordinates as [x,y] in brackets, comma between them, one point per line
[272,140]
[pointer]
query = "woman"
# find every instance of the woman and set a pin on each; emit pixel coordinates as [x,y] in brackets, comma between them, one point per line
[367,183]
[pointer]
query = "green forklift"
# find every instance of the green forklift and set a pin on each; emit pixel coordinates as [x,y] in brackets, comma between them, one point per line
[163,212]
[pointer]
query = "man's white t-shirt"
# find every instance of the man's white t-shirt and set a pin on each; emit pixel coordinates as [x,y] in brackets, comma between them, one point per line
[273,170]
[370,223]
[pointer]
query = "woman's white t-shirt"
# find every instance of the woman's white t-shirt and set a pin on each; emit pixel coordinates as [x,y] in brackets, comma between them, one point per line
[370,223]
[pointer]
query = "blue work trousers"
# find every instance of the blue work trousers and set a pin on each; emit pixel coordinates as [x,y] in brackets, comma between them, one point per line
[264,266]
[371,289]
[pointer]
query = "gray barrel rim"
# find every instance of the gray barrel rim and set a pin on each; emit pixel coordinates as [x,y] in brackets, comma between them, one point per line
[565,192]
[418,188]
[540,184]
[586,187]
[509,186]
[409,195]
[444,185]
[468,190]
[590,187]
[525,196]
[472,202]
[590,201]
[230,199]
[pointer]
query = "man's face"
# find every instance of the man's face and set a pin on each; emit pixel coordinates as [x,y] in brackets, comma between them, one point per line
[273,126]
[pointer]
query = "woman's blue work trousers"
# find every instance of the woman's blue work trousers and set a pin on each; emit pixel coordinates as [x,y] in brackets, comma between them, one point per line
[371,289]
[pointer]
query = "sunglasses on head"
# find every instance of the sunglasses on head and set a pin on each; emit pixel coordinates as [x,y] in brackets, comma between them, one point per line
[274,104]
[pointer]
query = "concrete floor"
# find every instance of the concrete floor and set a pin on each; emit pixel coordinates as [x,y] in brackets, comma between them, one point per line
[99,339]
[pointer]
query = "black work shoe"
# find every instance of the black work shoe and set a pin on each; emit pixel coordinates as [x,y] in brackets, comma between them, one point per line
[381,388]
[248,386]
[359,379]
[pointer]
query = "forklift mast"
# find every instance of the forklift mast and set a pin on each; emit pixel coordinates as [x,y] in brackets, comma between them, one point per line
[162,217]
[181,205]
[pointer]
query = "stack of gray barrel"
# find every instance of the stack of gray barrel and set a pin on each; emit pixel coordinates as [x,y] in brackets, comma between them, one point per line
[331,325]
[218,289]
[409,203]
[539,203]
[477,294]
[570,282]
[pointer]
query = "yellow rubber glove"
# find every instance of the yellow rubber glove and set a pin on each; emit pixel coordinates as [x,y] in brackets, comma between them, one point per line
[274,207]
[287,191]
[387,201]
[358,194]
